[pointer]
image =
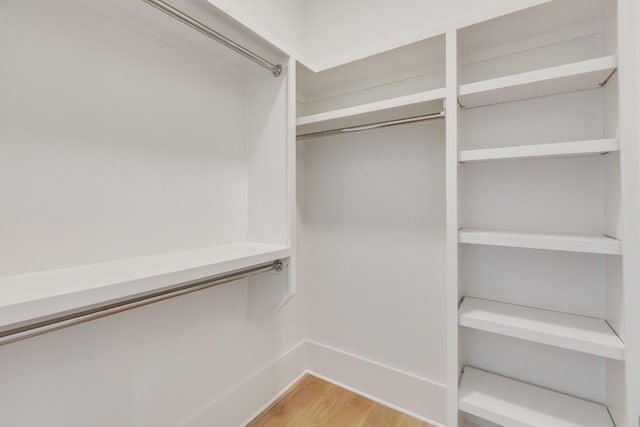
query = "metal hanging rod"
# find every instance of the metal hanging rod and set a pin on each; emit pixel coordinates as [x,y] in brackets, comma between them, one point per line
[276,69]
[82,315]
[371,126]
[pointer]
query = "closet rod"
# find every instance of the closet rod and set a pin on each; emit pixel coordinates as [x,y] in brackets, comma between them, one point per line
[74,317]
[276,69]
[370,126]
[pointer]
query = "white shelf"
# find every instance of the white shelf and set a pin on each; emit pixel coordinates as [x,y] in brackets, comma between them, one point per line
[596,244]
[548,81]
[578,333]
[32,296]
[540,151]
[513,403]
[389,109]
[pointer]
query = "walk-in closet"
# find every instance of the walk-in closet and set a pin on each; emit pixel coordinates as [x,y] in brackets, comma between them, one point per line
[295,213]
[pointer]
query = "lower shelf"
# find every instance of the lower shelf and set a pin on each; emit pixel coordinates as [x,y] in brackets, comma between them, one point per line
[508,402]
[38,295]
[542,151]
[588,243]
[578,333]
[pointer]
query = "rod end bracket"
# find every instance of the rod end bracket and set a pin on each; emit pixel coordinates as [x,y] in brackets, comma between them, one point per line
[277,70]
[278,265]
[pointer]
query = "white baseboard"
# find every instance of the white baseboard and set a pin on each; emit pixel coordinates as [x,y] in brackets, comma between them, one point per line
[402,391]
[273,399]
[415,396]
[250,397]
[473,421]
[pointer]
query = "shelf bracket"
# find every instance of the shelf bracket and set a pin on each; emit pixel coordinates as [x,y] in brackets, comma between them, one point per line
[608,77]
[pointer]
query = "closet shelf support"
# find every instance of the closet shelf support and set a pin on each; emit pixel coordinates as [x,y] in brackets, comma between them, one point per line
[276,69]
[608,77]
[62,320]
[371,126]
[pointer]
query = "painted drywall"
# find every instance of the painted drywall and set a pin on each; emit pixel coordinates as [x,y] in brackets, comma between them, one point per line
[112,130]
[374,252]
[93,173]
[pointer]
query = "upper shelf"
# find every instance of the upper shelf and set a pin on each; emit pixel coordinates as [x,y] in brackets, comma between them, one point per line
[427,102]
[513,403]
[32,296]
[560,79]
[542,151]
[596,244]
[578,333]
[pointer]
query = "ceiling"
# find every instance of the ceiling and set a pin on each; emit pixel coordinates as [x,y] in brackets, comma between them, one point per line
[323,34]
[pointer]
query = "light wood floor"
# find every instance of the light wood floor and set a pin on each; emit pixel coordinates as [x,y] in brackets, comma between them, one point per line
[312,402]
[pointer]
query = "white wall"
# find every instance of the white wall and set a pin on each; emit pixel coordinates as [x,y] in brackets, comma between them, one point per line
[129,144]
[96,147]
[111,131]
[374,253]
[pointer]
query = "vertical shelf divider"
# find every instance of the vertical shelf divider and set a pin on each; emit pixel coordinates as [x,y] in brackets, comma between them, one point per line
[629,133]
[453,297]
[291,166]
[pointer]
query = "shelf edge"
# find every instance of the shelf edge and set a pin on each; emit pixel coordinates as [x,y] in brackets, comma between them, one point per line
[592,347]
[387,104]
[543,74]
[586,243]
[474,381]
[538,151]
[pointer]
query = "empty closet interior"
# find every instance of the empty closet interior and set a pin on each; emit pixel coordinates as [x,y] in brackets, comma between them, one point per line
[201,205]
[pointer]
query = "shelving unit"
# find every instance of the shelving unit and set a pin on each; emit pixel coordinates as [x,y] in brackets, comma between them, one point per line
[549,241]
[372,107]
[37,295]
[560,79]
[427,102]
[542,151]
[579,333]
[397,84]
[547,92]
[508,402]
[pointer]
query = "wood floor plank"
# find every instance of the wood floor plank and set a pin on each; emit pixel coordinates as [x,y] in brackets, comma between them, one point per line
[323,405]
[350,408]
[290,409]
[312,402]
[381,416]
[407,421]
